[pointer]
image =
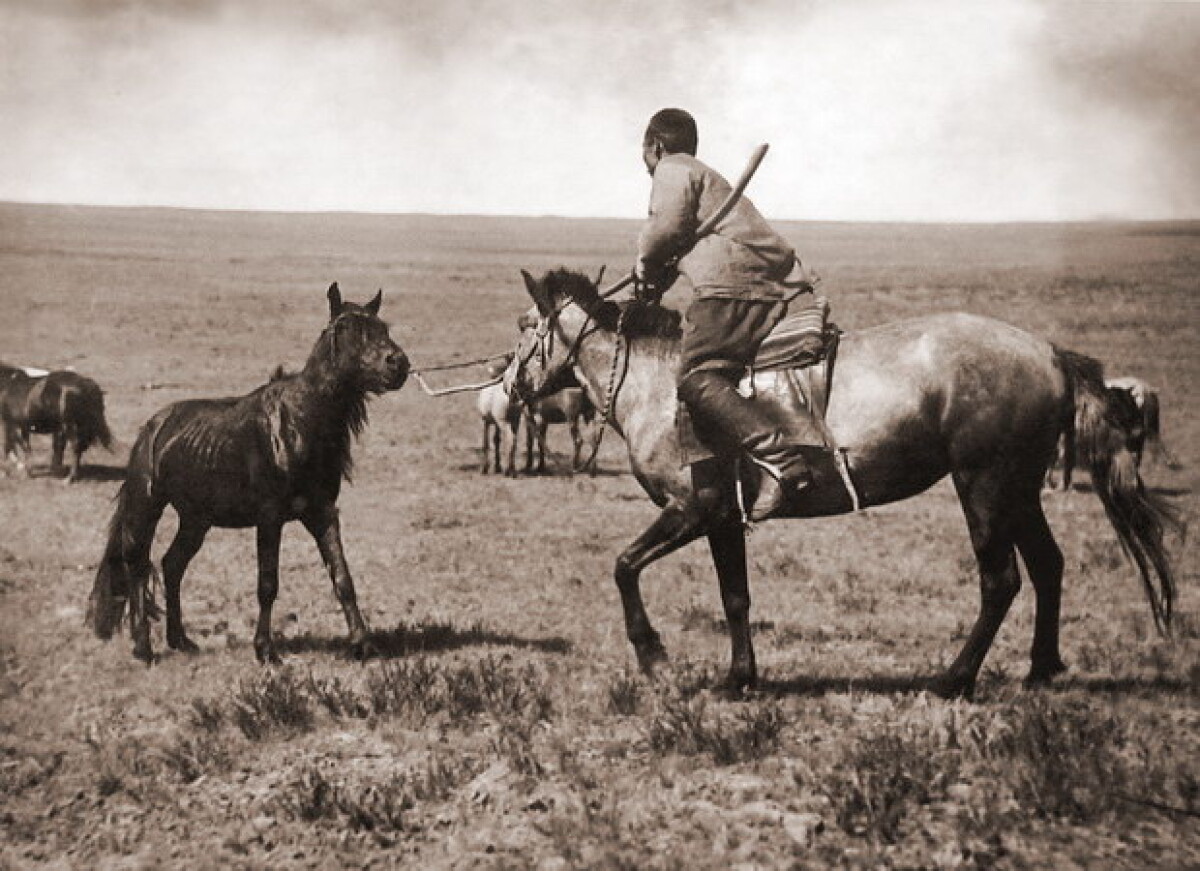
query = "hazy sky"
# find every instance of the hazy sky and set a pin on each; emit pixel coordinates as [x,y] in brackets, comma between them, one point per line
[874,109]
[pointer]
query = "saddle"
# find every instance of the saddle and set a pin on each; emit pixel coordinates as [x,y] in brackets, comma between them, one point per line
[795,363]
[791,373]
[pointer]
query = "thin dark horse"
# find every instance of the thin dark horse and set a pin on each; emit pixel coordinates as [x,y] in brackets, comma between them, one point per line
[275,455]
[62,404]
[910,403]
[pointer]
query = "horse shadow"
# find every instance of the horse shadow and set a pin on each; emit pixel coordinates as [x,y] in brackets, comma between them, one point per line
[406,640]
[890,684]
[87,472]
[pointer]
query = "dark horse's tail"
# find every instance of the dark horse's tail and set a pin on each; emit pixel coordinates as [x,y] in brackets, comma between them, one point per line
[85,408]
[1104,429]
[123,579]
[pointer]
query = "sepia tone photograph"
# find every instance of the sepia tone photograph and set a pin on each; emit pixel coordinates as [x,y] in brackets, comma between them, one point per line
[530,436]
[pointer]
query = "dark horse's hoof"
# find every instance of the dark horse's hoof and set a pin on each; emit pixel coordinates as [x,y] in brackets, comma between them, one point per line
[736,685]
[267,655]
[184,645]
[361,651]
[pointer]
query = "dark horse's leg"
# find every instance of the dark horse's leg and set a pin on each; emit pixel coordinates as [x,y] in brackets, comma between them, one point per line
[987,502]
[58,445]
[727,542]
[325,527]
[268,587]
[1044,562]
[175,561]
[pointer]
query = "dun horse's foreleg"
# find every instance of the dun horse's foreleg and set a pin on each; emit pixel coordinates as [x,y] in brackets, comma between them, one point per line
[1044,562]
[326,530]
[728,545]
[674,528]
[175,561]
[983,498]
[268,588]
[487,447]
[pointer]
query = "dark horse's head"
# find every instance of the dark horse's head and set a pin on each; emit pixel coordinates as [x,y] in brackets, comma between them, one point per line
[357,346]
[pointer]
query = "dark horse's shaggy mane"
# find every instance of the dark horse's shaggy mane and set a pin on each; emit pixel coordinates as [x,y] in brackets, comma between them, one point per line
[653,321]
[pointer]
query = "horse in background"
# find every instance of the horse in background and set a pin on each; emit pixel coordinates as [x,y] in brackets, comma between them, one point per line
[275,455]
[502,412]
[910,402]
[1146,434]
[63,404]
[570,406]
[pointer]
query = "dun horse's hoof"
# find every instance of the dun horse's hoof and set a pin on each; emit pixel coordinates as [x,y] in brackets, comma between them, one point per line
[1041,675]
[951,687]
[267,655]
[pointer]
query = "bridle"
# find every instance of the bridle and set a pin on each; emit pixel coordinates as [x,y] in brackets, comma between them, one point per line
[546,330]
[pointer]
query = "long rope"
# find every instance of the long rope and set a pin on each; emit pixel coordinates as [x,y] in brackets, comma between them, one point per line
[461,388]
[609,394]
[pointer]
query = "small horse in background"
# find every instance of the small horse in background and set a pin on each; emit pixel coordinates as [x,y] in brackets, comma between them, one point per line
[570,406]
[503,412]
[63,404]
[1147,433]
[275,455]
[500,413]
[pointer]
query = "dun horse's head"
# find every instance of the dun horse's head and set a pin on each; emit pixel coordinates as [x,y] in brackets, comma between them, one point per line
[543,361]
[360,347]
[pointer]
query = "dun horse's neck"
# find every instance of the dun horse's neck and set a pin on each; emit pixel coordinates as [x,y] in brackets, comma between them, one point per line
[645,374]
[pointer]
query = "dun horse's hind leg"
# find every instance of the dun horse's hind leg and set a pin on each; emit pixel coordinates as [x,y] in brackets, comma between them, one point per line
[987,505]
[324,526]
[674,528]
[1044,563]
[728,545]
[268,587]
[175,561]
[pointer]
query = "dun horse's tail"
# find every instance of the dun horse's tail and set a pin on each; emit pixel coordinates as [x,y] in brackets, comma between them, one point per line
[1103,431]
[123,579]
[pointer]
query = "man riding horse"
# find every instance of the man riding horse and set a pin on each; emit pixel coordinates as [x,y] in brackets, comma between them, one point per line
[743,275]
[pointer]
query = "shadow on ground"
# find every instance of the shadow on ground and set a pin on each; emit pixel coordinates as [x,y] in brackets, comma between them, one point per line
[405,640]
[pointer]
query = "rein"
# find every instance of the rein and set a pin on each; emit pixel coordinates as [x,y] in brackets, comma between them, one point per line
[461,388]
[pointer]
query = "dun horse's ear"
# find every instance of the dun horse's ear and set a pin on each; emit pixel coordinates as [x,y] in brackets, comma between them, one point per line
[335,300]
[373,306]
[539,295]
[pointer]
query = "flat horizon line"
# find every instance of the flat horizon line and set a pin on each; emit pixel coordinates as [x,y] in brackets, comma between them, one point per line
[981,222]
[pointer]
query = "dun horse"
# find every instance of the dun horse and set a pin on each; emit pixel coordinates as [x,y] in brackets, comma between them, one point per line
[275,455]
[62,404]
[910,403]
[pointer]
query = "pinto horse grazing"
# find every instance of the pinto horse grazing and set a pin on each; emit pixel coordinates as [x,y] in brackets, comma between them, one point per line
[63,404]
[275,455]
[910,403]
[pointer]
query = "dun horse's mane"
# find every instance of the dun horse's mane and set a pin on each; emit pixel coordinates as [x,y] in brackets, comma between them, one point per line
[653,321]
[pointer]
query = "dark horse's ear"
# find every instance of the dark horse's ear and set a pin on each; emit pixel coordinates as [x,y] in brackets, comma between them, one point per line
[538,293]
[373,306]
[335,301]
[600,274]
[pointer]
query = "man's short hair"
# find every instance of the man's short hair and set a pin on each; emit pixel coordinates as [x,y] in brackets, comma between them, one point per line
[675,129]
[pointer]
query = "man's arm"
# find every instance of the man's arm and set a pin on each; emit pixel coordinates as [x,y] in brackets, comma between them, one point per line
[669,231]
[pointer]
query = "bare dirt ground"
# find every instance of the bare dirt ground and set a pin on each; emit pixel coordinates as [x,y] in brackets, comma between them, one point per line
[504,724]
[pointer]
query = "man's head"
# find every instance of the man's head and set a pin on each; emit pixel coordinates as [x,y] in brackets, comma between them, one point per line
[670,131]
